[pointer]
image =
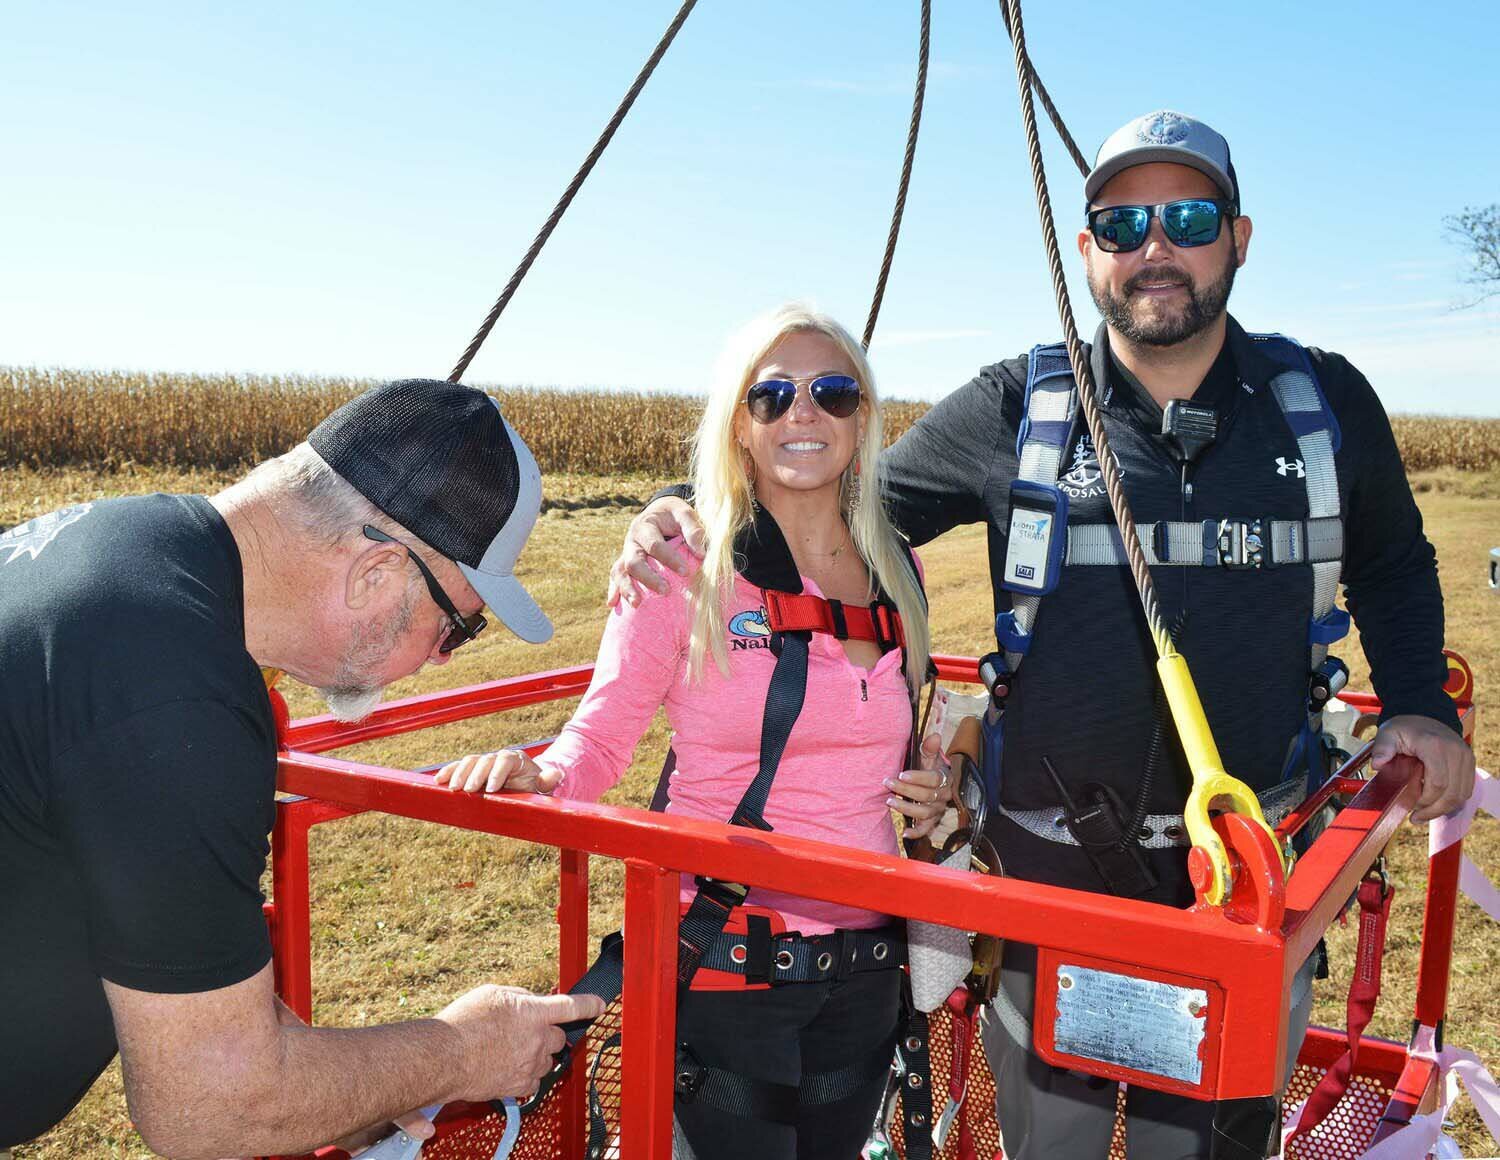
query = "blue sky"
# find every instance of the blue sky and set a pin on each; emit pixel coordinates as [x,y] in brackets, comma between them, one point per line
[343,188]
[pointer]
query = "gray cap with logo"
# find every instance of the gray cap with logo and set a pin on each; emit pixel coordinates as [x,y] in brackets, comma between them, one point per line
[1165,136]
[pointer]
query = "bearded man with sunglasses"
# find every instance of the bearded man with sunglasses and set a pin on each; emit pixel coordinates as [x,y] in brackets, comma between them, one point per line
[138,771]
[1215,467]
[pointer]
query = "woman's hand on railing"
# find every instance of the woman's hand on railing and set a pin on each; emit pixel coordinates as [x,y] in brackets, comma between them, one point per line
[923,795]
[492,772]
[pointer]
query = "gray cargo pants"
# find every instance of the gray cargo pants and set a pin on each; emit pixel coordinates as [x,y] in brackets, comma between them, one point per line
[1047,1112]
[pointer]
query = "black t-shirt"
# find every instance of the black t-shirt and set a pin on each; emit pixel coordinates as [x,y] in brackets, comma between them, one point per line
[137,776]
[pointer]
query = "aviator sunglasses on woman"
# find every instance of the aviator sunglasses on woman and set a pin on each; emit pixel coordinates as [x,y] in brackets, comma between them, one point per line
[770,399]
[1193,221]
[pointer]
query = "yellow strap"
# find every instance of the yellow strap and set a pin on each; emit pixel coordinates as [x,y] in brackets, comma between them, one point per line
[1209,779]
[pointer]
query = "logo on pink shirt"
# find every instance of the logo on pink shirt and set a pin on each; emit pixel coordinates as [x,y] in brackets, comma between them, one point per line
[752,628]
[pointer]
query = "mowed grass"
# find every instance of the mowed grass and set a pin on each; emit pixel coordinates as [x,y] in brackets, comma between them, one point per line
[408,915]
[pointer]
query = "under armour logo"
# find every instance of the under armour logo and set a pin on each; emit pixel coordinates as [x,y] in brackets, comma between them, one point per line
[1287,467]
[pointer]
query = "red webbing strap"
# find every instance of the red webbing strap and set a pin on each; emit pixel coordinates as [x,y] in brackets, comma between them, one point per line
[964,1018]
[801,612]
[1375,896]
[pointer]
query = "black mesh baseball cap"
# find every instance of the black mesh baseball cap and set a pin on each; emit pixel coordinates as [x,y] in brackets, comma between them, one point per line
[440,460]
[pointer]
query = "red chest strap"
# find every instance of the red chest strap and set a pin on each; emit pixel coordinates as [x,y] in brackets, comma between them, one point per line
[800,612]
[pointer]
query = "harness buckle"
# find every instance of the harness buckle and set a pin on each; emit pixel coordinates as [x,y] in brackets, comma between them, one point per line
[1326,683]
[688,1075]
[1242,544]
[997,678]
[725,894]
[848,952]
[559,1068]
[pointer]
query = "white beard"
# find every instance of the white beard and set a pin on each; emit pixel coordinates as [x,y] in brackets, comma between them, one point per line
[352,704]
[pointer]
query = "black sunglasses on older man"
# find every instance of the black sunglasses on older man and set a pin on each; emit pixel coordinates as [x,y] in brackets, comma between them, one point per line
[465,628]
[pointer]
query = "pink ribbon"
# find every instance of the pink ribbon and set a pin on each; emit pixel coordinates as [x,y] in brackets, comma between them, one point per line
[1445,831]
[1461,1071]
[1424,1134]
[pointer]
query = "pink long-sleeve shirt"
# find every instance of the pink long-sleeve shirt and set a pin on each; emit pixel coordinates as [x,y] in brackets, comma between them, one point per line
[851,734]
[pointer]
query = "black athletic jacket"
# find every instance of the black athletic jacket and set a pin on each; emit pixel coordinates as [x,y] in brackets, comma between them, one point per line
[1084,696]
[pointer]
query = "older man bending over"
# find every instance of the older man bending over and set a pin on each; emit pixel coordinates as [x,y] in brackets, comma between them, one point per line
[138,766]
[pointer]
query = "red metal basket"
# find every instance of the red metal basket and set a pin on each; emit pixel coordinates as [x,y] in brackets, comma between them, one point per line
[1248,956]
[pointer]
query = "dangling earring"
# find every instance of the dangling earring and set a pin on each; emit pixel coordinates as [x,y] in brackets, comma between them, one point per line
[852,488]
[748,463]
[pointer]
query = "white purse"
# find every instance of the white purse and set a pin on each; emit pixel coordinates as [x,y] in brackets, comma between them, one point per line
[941,957]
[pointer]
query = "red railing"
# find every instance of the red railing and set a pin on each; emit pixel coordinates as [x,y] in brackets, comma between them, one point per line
[1245,959]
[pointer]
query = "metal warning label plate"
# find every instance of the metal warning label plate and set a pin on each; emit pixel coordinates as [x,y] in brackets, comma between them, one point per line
[1140,1024]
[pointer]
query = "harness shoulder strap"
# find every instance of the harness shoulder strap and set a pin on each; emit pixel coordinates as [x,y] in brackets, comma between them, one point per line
[1049,410]
[1312,421]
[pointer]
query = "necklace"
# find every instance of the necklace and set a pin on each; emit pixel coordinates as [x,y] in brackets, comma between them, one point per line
[836,553]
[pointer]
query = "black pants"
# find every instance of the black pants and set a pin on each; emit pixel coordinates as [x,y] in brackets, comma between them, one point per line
[780,1035]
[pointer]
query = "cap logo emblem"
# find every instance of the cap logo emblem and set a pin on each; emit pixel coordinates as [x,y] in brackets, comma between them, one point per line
[1163,129]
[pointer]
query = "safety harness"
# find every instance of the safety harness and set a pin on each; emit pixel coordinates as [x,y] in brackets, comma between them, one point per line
[742,946]
[1235,542]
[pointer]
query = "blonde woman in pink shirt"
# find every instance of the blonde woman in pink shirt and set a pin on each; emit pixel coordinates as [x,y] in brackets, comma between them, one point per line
[795,1006]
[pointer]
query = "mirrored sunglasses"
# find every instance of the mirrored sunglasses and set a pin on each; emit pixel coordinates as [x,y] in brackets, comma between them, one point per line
[1193,221]
[770,399]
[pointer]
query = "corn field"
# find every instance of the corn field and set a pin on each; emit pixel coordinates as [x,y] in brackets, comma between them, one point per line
[56,418]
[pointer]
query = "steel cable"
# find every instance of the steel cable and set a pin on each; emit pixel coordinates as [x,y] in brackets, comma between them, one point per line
[911,151]
[1082,374]
[1046,98]
[573,187]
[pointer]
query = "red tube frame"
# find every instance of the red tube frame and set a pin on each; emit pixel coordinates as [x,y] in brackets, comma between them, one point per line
[1252,966]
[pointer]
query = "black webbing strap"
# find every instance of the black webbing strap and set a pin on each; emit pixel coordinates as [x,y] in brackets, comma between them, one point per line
[711,907]
[702,923]
[829,1087]
[783,704]
[916,1093]
[662,794]
[740,1095]
[598,1125]
[757,949]
[709,911]
[799,958]
[605,978]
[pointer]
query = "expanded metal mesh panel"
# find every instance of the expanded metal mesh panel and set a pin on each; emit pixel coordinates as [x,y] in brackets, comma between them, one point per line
[541,1131]
[481,1139]
[1344,1135]
[979,1102]
[1349,1128]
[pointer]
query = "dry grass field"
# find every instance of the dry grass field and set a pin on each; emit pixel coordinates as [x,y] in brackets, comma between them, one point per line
[51,418]
[408,915]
